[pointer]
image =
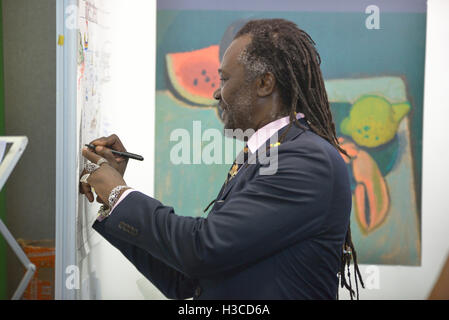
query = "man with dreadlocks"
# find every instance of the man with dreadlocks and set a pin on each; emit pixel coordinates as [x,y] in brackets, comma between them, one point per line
[283,235]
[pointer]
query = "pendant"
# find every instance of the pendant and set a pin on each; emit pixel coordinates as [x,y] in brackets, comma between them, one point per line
[233,171]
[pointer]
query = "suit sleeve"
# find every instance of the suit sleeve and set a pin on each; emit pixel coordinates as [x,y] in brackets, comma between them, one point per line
[173,284]
[270,213]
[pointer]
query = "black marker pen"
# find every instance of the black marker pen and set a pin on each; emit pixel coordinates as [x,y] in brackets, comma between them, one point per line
[118,153]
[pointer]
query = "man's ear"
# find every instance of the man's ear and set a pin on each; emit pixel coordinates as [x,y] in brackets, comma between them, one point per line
[266,84]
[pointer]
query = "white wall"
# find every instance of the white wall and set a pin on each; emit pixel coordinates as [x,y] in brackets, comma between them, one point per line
[417,282]
[137,73]
[132,104]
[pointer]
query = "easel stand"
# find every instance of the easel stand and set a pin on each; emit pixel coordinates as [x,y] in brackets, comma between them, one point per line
[6,166]
[31,268]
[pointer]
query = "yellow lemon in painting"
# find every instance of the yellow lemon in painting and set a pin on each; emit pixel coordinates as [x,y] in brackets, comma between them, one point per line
[373,121]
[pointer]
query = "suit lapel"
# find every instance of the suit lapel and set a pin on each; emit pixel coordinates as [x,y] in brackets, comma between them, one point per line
[227,186]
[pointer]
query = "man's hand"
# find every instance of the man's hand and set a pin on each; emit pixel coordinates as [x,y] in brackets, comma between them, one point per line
[103,148]
[104,179]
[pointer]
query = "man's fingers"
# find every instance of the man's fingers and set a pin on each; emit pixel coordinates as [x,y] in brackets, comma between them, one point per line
[105,153]
[87,191]
[112,142]
[105,145]
[91,156]
[104,141]
[89,194]
[99,200]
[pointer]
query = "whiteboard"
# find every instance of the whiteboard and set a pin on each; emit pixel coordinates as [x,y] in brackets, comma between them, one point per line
[103,87]
[93,78]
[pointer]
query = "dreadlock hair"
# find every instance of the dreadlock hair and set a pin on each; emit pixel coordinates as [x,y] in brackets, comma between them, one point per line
[280,47]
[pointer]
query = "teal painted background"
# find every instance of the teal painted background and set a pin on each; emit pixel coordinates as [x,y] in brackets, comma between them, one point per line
[348,50]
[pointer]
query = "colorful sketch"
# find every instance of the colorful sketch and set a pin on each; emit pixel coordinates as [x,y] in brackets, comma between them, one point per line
[376,95]
[92,74]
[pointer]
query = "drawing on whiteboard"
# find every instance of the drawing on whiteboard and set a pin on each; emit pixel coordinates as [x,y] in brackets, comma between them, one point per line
[93,74]
[86,42]
[91,12]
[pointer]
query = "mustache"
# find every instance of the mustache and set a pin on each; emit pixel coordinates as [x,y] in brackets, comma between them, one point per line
[221,109]
[223,106]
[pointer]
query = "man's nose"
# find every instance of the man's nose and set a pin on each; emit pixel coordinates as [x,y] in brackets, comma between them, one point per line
[217,94]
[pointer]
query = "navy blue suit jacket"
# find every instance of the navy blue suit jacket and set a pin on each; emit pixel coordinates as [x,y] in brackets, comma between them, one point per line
[267,237]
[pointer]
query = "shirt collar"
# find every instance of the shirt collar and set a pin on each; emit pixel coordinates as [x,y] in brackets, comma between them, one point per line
[265,133]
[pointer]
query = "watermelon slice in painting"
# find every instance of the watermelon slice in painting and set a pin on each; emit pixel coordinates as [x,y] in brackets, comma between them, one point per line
[194,74]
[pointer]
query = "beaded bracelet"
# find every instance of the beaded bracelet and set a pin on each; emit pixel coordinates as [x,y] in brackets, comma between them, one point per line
[114,195]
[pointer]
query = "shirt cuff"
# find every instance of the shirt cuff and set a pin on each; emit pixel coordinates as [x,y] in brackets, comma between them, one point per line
[123,196]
